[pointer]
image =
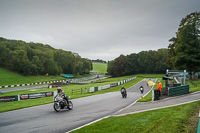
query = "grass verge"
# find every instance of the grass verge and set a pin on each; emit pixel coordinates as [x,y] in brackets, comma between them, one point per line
[10,78]
[178,119]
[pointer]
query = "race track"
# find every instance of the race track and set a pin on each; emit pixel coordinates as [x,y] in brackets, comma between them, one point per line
[43,119]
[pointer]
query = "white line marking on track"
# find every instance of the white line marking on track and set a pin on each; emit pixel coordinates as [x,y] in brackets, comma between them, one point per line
[156,108]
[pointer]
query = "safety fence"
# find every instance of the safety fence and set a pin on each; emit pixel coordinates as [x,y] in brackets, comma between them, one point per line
[25,96]
[178,90]
[94,89]
[46,82]
[80,91]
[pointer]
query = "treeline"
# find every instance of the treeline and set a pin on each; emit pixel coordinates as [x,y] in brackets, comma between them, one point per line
[99,61]
[39,59]
[183,53]
[143,62]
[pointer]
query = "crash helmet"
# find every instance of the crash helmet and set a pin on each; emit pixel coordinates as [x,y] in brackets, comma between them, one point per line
[59,89]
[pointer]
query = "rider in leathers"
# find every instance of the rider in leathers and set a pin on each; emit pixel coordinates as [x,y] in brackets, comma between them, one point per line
[62,94]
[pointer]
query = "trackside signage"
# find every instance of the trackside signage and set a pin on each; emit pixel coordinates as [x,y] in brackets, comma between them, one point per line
[49,94]
[113,85]
[8,98]
[25,96]
[36,95]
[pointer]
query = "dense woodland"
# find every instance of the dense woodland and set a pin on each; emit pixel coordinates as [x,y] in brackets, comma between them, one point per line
[183,53]
[39,59]
[143,62]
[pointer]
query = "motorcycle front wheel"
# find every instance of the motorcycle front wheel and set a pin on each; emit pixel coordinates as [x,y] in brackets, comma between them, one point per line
[70,106]
[56,107]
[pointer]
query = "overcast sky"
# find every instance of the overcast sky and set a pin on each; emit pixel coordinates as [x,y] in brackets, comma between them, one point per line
[95,29]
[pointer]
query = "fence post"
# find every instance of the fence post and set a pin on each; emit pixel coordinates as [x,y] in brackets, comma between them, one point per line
[152,94]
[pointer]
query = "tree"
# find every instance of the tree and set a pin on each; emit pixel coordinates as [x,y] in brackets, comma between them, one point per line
[110,68]
[21,62]
[185,47]
[86,66]
[131,66]
[171,52]
[117,67]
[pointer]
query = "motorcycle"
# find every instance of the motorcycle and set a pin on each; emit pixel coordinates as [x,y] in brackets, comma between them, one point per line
[124,93]
[61,103]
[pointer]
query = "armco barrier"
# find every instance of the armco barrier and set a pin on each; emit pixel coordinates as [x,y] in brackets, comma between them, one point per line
[46,82]
[105,87]
[91,89]
[25,96]
[94,89]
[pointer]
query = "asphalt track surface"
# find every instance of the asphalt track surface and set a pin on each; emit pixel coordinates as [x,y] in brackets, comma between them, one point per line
[43,119]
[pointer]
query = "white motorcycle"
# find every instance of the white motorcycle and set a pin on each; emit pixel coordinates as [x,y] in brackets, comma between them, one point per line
[61,103]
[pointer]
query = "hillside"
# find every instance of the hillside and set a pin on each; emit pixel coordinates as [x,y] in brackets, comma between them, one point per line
[11,78]
[99,67]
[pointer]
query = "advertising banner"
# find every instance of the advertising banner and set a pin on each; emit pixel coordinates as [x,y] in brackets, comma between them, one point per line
[113,85]
[24,97]
[36,95]
[49,94]
[8,98]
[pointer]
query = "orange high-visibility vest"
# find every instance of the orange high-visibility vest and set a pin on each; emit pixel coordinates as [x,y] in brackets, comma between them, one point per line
[159,86]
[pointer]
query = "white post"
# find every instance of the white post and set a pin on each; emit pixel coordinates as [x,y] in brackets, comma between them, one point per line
[184,76]
[152,94]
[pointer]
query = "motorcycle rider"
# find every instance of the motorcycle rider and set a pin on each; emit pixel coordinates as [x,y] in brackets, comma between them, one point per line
[123,90]
[141,89]
[62,94]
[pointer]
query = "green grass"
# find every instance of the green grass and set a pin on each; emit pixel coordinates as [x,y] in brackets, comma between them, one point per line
[7,106]
[11,78]
[194,85]
[99,67]
[178,119]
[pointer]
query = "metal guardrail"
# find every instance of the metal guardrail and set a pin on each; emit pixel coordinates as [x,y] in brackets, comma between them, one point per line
[94,89]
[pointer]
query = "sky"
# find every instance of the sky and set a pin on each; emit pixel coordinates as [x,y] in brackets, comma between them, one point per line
[95,29]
